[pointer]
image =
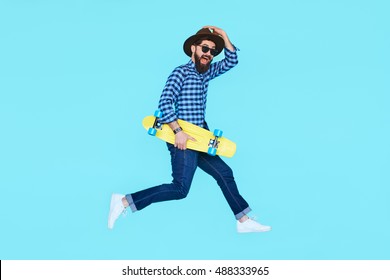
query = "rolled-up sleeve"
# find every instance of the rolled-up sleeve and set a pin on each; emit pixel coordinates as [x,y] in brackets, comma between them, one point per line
[230,60]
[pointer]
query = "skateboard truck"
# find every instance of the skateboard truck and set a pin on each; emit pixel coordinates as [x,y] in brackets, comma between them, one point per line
[213,144]
[156,125]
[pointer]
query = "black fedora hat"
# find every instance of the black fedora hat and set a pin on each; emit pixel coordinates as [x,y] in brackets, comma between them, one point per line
[203,34]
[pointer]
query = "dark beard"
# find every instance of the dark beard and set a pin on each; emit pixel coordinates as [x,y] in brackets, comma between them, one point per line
[202,68]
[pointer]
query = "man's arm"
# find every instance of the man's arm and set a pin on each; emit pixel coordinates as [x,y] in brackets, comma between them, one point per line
[170,94]
[230,60]
[171,91]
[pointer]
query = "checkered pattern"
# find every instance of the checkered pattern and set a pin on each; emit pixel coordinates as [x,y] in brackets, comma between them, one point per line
[185,92]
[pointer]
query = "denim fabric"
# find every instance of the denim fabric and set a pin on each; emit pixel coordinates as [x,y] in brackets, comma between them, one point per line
[184,164]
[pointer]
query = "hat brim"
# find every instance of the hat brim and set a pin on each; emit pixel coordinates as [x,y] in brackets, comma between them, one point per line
[219,42]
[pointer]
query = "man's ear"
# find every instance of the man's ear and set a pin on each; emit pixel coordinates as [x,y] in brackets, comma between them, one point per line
[193,48]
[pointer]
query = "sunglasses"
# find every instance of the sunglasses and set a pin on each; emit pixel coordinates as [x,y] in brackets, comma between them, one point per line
[206,49]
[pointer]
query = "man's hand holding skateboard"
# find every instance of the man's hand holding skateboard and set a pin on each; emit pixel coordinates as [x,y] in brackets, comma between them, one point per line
[181,137]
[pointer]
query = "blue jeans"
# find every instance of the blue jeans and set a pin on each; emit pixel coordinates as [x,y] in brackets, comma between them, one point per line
[184,164]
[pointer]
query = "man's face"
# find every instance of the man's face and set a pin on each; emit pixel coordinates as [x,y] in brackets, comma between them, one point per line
[202,59]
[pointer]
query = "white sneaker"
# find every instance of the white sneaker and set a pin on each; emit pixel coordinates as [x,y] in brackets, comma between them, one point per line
[251,225]
[116,209]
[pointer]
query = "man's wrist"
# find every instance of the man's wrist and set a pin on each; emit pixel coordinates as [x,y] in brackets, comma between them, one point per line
[177,130]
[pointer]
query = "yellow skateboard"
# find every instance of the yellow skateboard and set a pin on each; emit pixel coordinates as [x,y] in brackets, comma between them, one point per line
[206,141]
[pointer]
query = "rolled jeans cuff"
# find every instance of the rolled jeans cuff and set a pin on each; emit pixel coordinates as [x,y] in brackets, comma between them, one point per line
[129,199]
[243,213]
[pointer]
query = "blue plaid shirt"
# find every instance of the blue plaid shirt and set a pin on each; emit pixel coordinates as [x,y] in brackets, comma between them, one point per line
[185,92]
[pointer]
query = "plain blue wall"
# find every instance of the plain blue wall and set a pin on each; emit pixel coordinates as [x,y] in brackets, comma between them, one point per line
[308,106]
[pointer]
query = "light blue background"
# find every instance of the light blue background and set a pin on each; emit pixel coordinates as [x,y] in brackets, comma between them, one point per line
[308,106]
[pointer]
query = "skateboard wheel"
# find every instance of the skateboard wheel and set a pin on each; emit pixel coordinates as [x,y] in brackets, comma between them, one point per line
[152,131]
[158,114]
[212,151]
[218,133]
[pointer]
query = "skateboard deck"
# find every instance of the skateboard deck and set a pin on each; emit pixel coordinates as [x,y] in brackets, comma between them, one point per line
[206,141]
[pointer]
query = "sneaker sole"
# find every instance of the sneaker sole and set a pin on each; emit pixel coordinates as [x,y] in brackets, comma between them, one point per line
[250,231]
